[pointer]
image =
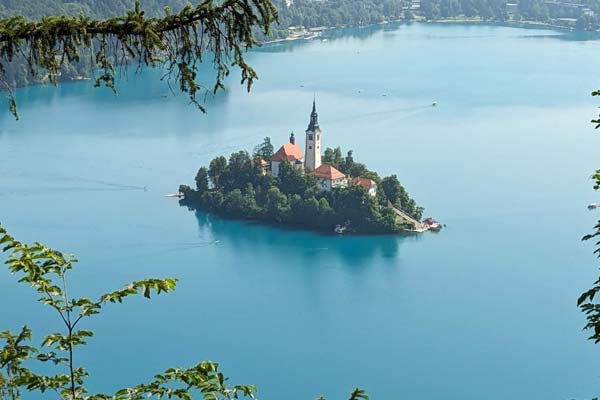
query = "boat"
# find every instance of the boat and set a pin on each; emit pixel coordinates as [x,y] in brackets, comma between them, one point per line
[592,206]
[180,195]
[339,229]
[434,104]
[435,227]
[432,224]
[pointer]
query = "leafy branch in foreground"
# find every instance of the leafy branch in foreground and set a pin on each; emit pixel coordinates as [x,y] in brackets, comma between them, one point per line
[46,271]
[586,301]
[220,30]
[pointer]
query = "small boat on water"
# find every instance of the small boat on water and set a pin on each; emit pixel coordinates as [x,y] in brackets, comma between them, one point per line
[180,195]
[432,224]
[434,104]
[339,229]
[592,206]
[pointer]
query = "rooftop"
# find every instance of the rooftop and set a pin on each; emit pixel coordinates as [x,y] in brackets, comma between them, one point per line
[288,151]
[364,182]
[326,171]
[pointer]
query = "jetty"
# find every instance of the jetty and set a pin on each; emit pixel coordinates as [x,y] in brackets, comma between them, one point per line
[419,226]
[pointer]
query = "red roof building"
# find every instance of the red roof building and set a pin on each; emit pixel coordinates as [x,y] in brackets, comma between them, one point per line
[369,184]
[288,151]
[326,171]
[328,177]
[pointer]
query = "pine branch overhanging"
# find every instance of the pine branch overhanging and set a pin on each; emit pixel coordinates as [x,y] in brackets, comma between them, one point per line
[221,30]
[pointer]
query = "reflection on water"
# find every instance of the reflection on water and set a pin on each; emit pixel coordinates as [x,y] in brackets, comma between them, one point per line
[249,236]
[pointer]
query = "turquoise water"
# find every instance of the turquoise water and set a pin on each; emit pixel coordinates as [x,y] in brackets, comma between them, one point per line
[484,309]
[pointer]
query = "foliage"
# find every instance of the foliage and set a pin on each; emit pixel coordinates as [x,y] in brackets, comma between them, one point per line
[240,188]
[201,180]
[46,271]
[336,13]
[264,150]
[347,164]
[92,8]
[527,10]
[396,193]
[305,13]
[586,301]
[220,31]
[216,170]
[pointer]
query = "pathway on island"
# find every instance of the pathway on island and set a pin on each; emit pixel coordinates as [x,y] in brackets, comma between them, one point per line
[419,226]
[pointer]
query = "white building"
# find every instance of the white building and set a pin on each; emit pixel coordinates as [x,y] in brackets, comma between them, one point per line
[328,177]
[369,185]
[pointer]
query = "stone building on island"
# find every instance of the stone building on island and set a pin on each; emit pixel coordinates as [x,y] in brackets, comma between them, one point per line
[369,185]
[290,152]
[327,176]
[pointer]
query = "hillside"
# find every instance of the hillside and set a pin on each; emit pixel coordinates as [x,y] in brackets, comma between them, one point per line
[581,14]
[35,9]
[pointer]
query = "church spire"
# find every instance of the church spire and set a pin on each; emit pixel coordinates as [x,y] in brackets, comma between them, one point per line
[312,153]
[314,117]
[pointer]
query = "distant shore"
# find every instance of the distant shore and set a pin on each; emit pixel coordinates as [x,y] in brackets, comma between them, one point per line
[313,33]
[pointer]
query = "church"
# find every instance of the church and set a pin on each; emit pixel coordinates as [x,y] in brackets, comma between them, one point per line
[310,161]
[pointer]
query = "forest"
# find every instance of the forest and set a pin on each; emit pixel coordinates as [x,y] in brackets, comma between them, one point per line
[583,15]
[238,187]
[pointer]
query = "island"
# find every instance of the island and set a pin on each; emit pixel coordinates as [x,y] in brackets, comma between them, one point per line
[320,191]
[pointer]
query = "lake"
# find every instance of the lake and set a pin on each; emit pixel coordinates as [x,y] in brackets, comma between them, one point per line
[484,309]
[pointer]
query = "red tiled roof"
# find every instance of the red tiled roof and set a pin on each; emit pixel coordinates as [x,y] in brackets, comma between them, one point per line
[288,151]
[364,182]
[326,171]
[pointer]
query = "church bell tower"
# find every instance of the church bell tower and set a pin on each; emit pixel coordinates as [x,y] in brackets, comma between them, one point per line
[312,153]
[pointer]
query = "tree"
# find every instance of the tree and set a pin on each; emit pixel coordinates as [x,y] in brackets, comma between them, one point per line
[264,150]
[355,205]
[239,171]
[179,41]
[216,169]
[202,180]
[348,161]
[398,196]
[276,208]
[392,189]
[292,180]
[586,301]
[46,271]
[333,157]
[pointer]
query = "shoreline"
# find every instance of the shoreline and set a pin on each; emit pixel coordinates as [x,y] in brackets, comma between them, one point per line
[524,24]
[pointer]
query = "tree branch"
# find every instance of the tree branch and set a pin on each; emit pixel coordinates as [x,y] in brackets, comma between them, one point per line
[222,29]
